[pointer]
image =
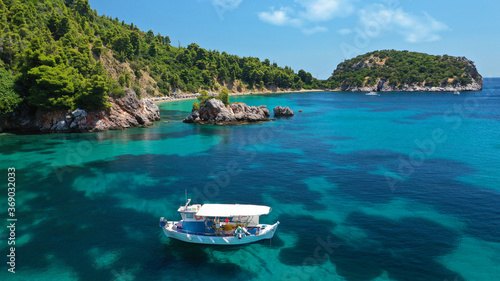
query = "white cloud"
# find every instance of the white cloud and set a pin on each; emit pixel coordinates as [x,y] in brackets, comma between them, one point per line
[313,30]
[324,10]
[307,14]
[345,31]
[310,15]
[280,17]
[414,28]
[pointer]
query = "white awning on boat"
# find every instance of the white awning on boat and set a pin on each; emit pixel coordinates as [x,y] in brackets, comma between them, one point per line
[232,210]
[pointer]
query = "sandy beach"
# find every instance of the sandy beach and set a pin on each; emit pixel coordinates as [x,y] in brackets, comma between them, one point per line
[180,97]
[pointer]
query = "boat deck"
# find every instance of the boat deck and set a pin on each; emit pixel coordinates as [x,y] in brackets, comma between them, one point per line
[256,230]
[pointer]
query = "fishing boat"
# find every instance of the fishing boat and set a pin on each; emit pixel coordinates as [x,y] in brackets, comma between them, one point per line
[219,224]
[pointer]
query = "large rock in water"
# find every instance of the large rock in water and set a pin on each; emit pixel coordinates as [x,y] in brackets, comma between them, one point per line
[282,111]
[215,112]
[125,112]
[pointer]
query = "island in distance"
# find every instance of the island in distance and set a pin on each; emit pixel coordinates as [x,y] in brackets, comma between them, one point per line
[391,70]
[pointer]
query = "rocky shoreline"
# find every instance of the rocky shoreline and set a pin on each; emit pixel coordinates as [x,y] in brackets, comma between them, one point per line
[383,86]
[194,96]
[129,111]
[125,112]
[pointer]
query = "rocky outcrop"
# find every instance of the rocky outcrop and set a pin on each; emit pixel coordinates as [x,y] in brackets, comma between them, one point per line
[282,111]
[215,112]
[125,112]
[243,112]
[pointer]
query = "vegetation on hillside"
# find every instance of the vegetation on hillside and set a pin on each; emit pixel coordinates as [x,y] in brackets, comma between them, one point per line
[54,51]
[8,98]
[403,67]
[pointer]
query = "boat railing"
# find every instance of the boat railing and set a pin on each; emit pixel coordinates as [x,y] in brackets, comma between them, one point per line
[220,232]
[191,232]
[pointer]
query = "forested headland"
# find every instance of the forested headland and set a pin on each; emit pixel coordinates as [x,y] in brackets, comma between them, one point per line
[393,70]
[62,55]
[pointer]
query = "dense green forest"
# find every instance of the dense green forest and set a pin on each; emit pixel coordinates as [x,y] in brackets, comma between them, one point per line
[403,67]
[56,54]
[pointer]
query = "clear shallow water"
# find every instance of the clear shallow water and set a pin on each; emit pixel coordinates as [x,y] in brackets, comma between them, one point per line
[402,186]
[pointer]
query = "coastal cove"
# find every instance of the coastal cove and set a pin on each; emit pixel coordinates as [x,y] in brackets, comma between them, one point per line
[66,68]
[400,186]
[188,96]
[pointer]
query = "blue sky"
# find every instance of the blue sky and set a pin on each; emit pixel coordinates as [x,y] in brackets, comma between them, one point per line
[316,35]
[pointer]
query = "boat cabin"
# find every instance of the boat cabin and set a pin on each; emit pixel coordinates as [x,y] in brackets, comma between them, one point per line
[220,219]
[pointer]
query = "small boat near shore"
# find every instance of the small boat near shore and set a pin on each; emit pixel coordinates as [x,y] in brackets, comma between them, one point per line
[372,94]
[219,224]
[456,93]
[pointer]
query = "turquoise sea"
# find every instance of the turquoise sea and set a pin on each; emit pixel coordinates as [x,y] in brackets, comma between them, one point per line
[401,186]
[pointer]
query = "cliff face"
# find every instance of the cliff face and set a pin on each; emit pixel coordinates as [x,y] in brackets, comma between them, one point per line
[391,70]
[126,112]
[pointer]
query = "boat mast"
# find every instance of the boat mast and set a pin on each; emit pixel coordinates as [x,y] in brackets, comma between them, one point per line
[187,203]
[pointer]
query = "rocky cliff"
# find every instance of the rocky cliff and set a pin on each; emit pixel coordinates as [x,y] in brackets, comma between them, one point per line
[125,112]
[215,112]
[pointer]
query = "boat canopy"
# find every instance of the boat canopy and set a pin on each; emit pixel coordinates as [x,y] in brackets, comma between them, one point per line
[232,210]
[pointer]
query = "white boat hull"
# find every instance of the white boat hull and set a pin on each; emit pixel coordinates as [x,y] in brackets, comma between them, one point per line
[266,233]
